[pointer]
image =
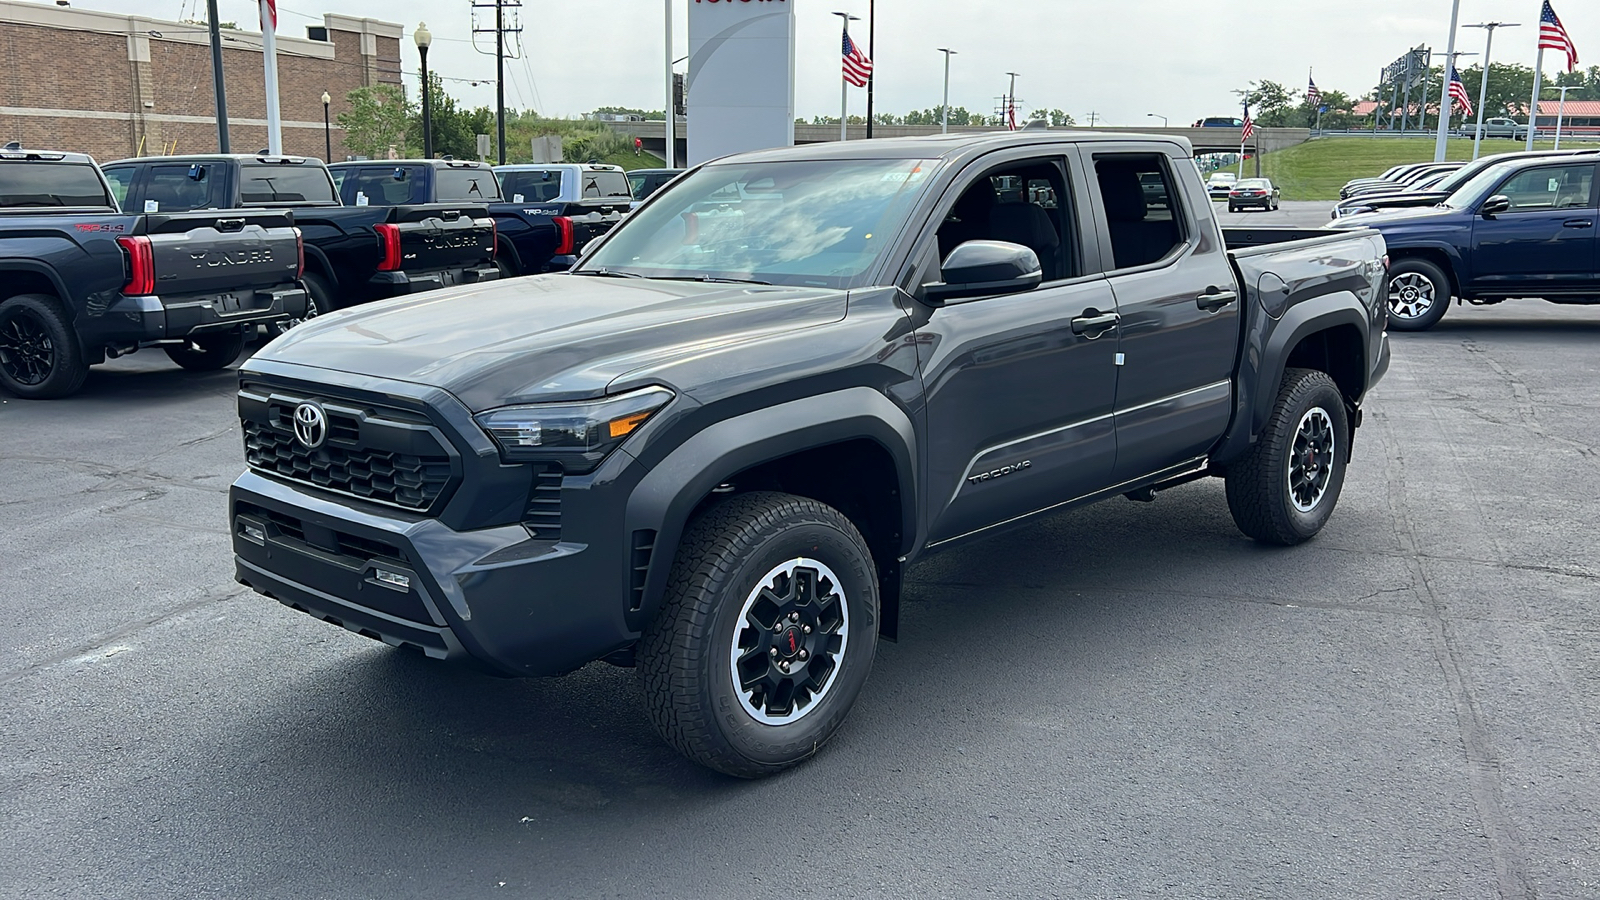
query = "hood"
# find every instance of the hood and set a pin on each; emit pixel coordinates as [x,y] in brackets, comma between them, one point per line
[546,337]
[1419,215]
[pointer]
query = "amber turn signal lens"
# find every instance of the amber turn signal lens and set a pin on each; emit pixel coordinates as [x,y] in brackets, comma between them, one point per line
[626,425]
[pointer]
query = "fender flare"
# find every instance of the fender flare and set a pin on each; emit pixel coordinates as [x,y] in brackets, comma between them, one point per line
[36,267]
[1455,264]
[669,493]
[323,265]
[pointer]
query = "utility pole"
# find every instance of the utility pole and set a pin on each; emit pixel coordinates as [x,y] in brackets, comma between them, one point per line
[1092,116]
[1444,100]
[1483,81]
[217,86]
[944,120]
[500,30]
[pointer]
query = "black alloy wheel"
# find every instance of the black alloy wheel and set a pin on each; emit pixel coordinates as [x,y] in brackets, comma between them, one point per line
[39,354]
[766,634]
[319,299]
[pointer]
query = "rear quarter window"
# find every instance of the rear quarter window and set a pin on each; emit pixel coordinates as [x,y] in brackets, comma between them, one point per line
[465,184]
[540,186]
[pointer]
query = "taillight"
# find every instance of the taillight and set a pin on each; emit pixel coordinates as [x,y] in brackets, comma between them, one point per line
[141,266]
[300,254]
[494,238]
[1386,262]
[389,241]
[563,235]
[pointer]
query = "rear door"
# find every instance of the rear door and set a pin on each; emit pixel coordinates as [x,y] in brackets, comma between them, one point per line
[1546,240]
[1179,309]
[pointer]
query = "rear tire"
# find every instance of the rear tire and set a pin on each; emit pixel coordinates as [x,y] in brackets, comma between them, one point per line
[319,299]
[208,352]
[1419,295]
[1286,487]
[766,634]
[40,358]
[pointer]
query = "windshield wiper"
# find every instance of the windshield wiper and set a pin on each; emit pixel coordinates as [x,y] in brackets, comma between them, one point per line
[713,279]
[607,273]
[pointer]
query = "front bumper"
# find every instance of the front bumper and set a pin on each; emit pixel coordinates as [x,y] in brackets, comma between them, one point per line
[495,598]
[394,284]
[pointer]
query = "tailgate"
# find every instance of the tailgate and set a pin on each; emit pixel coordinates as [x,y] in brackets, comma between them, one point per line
[232,250]
[444,237]
[593,218]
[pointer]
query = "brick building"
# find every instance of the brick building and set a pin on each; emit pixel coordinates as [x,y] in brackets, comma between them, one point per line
[116,85]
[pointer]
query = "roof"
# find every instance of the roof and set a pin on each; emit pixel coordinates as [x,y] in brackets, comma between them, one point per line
[535,167]
[24,154]
[216,157]
[950,146]
[436,163]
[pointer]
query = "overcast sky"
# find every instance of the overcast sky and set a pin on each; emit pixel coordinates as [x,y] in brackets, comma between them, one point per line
[1118,58]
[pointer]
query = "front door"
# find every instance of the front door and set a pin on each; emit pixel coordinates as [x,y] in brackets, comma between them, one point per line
[1545,241]
[1019,386]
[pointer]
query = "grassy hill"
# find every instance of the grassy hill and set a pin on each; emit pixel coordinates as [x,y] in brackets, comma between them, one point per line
[1317,169]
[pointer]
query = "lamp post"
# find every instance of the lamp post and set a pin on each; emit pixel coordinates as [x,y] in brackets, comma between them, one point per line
[1483,86]
[671,123]
[327,130]
[1561,110]
[944,118]
[844,86]
[424,37]
[1157,116]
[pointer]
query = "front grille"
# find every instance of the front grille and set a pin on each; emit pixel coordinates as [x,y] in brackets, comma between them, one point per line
[399,479]
[379,452]
[543,515]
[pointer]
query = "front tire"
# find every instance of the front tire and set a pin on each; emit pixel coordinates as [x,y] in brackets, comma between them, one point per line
[1419,295]
[766,634]
[1285,489]
[39,354]
[208,352]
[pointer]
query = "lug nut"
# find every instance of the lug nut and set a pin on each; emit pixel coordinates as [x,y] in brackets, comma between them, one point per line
[804,654]
[784,666]
[794,617]
[806,628]
[773,652]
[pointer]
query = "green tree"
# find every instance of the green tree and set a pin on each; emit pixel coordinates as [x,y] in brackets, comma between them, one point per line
[1271,105]
[376,121]
[455,129]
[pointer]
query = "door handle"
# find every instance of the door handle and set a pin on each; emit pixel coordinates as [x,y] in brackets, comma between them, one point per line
[1094,323]
[1215,300]
[1578,223]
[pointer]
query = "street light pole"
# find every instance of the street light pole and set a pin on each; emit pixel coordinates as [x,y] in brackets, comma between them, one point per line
[216,76]
[944,119]
[1450,56]
[844,86]
[1483,85]
[671,154]
[1157,116]
[1561,110]
[424,38]
[872,54]
[327,130]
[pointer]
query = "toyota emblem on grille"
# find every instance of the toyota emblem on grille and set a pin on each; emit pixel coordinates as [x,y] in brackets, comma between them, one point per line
[310,425]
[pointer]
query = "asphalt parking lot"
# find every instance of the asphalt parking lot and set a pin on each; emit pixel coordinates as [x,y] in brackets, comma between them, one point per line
[1126,701]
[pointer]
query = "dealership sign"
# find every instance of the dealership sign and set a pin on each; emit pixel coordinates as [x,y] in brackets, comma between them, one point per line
[741,76]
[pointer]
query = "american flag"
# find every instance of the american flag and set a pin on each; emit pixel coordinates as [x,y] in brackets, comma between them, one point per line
[1011,116]
[1553,36]
[1313,96]
[857,68]
[1249,128]
[272,12]
[1458,92]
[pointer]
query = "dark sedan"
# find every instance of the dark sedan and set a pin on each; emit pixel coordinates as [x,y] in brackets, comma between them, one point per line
[1254,192]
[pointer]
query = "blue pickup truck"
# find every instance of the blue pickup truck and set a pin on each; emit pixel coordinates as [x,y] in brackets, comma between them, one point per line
[81,280]
[1525,227]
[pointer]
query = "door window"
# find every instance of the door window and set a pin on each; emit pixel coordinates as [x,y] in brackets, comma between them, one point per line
[1020,204]
[1141,208]
[120,180]
[1555,187]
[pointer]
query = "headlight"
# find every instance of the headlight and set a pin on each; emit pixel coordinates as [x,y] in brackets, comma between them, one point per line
[579,434]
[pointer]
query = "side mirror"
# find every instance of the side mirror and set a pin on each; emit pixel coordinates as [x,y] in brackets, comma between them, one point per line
[983,268]
[1494,206]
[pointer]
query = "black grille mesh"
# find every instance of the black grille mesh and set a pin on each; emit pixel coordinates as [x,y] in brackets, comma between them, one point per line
[400,479]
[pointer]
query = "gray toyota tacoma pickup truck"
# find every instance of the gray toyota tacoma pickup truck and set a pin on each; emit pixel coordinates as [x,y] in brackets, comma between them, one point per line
[711,449]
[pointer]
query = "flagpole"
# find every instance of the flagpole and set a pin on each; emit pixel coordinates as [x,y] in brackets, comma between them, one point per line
[1533,107]
[844,83]
[269,56]
[1483,84]
[1449,55]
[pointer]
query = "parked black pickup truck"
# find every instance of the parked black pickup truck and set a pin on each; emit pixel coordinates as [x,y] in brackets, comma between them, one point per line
[353,254]
[711,449]
[81,280]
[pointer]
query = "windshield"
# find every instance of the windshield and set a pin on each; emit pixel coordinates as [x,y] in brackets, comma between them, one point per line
[1224,176]
[51,184]
[813,222]
[603,184]
[284,184]
[1260,183]
[1462,175]
[1476,189]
